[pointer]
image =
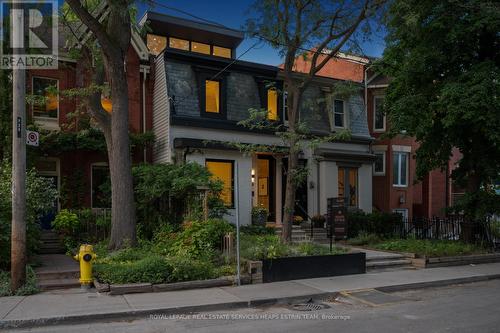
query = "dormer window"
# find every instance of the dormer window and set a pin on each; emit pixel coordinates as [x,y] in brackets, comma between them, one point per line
[221,52]
[200,48]
[272,104]
[212,96]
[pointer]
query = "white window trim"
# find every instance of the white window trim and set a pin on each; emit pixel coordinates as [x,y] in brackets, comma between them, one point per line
[402,211]
[33,92]
[380,173]
[378,130]
[407,156]
[344,114]
[92,182]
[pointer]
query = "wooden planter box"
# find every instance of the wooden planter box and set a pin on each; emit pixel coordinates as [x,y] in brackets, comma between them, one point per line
[294,268]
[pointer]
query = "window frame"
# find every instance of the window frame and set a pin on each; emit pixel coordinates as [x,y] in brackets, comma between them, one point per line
[41,118]
[407,178]
[277,104]
[344,113]
[206,76]
[380,173]
[375,129]
[346,169]
[217,160]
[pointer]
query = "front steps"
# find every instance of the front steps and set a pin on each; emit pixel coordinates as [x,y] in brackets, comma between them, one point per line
[50,243]
[57,271]
[392,262]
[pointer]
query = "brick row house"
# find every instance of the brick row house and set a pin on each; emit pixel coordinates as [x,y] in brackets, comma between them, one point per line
[78,173]
[188,87]
[395,187]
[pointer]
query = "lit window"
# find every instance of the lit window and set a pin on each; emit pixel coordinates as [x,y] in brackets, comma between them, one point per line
[400,169]
[212,96]
[223,171]
[379,165]
[339,113]
[200,48]
[348,185]
[46,88]
[221,52]
[177,43]
[272,104]
[156,43]
[378,114]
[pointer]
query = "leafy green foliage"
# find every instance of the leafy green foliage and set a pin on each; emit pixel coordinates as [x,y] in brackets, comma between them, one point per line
[150,268]
[381,224]
[40,198]
[166,192]
[364,238]
[28,288]
[186,268]
[444,61]
[430,248]
[257,230]
[66,222]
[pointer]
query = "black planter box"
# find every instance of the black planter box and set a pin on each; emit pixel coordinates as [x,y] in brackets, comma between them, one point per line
[294,268]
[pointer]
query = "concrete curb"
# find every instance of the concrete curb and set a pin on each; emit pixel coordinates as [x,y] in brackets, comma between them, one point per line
[133,314]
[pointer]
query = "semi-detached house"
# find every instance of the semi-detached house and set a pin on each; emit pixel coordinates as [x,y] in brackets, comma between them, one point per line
[201,92]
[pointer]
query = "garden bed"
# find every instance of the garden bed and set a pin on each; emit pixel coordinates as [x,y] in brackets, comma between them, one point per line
[294,268]
[432,262]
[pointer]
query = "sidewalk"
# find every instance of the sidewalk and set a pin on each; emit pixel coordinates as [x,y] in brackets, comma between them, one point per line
[78,306]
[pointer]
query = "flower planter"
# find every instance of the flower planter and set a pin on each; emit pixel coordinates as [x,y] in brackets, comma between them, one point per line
[294,268]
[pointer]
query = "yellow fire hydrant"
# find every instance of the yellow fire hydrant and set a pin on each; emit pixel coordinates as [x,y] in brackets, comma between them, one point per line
[85,257]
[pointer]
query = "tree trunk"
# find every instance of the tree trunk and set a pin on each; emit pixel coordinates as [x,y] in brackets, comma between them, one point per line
[123,224]
[295,95]
[469,226]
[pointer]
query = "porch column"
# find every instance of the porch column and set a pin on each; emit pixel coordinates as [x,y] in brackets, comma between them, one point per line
[278,190]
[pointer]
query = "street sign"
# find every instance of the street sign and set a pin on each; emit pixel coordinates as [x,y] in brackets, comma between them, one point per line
[32,138]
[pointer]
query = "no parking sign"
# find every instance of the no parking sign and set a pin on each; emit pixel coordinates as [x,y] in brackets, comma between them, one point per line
[32,138]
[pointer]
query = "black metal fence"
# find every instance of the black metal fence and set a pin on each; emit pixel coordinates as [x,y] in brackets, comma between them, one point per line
[445,228]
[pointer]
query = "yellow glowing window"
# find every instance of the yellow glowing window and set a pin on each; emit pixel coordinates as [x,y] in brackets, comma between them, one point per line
[272,104]
[222,52]
[156,43]
[212,96]
[223,171]
[200,48]
[46,88]
[177,43]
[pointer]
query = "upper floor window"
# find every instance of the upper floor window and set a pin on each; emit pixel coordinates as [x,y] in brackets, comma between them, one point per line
[47,89]
[177,43]
[272,104]
[400,169]
[339,113]
[378,114]
[212,96]
[221,52]
[156,44]
[200,48]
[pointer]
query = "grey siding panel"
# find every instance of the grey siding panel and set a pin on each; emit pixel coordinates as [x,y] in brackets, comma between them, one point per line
[357,116]
[183,88]
[161,114]
[242,94]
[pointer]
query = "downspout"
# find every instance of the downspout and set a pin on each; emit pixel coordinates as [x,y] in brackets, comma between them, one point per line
[144,110]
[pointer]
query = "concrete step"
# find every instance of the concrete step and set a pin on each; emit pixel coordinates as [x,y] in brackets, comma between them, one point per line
[57,274]
[52,250]
[54,284]
[383,265]
[388,257]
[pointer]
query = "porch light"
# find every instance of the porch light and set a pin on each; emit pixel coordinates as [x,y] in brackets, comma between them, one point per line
[253,176]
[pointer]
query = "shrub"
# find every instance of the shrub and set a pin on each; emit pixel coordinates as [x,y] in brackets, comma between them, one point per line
[201,237]
[185,268]
[259,216]
[152,269]
[66,222]
[257,230]
[318,221]
[262,247]
[430,248]
[382,224]
[164,192]
[41,195]
[28,288]
[364,238]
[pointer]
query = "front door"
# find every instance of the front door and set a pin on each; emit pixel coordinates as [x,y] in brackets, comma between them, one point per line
[265,184]
[300,191]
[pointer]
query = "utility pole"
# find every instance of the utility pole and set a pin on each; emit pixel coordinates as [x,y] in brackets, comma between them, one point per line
[18,239]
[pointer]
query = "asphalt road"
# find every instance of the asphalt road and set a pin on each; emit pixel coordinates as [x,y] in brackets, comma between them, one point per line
[461,308]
